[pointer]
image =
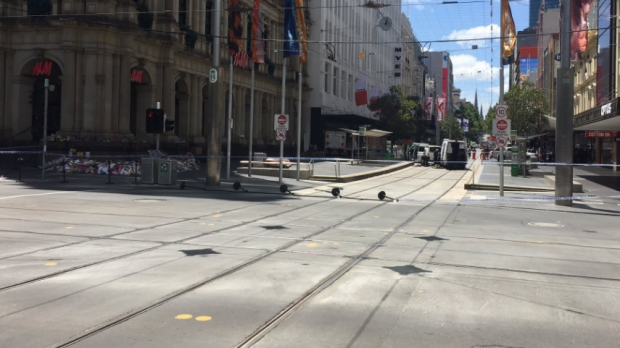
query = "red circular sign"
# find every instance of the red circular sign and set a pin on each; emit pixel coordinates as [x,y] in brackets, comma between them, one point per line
[502,125]
[282,120]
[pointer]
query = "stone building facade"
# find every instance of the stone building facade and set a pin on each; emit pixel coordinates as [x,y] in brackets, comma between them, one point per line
[107,67]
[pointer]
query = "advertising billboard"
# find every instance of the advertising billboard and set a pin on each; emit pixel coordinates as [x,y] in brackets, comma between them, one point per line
[584,22]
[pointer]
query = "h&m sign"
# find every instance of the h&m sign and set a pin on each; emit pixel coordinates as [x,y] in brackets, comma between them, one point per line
[42,68]
[137,75]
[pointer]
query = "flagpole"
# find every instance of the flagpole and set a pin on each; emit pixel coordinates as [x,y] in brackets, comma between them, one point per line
[282,111]
[229,123]
[501,94]
[299,122]
[251,119]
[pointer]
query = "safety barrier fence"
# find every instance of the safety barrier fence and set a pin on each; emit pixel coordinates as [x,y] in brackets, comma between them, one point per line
[292,159]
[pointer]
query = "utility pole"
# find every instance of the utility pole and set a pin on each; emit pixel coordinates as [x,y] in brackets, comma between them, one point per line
[215,122]
[437,131]
[564,116]
[501,97]
[47,88]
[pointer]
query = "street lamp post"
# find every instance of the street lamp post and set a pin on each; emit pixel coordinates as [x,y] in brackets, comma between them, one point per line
[47,87]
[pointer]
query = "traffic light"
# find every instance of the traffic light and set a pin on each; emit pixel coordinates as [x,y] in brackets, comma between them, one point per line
[169,126]
[154,121]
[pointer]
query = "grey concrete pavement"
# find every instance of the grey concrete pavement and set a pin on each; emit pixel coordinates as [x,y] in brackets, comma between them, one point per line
[124,266]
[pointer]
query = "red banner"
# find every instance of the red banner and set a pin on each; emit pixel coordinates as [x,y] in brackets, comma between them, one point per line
[235,28]
[600,134]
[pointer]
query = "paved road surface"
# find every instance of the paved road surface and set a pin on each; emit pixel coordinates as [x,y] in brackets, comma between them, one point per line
[127,266]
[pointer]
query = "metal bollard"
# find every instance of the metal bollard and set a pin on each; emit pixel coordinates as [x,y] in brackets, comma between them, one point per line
[109,173]
[19,168]
[64,172]
[135,172]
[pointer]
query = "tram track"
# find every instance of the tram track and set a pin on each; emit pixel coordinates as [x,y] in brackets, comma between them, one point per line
[293,306]
[162,244]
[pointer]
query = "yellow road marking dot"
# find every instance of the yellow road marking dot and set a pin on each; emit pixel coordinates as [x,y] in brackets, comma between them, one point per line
[325,242]
[183,316]
[51,264]
[425,231]
[336,243]
[211,224]
[218,215]
[202,223]
[312,245]
[203,318]
[376,216]
[69,227]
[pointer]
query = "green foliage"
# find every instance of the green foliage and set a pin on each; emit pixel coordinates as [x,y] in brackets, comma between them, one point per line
[39,7]
[450,128]
[526,109]
[190,37]
[397,113]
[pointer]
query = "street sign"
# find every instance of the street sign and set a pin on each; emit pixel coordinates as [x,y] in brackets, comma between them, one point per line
[280,122]
[513,135]
[501,127]
[501,111]
[280,135]
[501,141]
[213,75]
[492,138]
[558,57]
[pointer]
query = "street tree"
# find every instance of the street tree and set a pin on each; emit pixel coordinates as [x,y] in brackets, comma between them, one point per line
[526,109]
[397,113]
[450,128]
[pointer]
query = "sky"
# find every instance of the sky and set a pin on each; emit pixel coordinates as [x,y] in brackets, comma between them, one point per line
[471,20]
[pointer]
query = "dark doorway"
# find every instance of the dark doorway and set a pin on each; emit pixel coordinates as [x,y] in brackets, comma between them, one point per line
[45,69]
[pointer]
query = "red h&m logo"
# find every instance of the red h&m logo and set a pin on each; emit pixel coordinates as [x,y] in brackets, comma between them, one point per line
[42,68]
[137,75]
[241,59]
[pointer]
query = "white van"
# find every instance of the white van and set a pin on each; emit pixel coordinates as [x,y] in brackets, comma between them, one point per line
[453,154]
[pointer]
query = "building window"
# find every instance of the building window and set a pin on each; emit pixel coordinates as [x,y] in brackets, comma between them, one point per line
[335,82]
[326,87]
[182,13]
[208,18]
[248,42]
[343,85]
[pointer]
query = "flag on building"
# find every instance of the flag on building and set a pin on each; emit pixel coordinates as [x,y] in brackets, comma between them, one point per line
[428,107]
[508,32]
[258,34]
[361,94]
[441,109]
[374,98]
[290,44]
[444,75]
[465,125]
[235,28]
[301,31]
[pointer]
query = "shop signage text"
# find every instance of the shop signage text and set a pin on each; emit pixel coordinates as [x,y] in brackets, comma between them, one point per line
[43,68]
[398,54]
[137,75]
[599,134]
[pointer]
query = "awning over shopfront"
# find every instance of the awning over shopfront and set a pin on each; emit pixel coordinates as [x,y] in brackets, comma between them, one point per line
[372,133]
[610,124]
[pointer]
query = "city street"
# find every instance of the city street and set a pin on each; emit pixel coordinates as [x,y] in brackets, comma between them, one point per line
[137,266]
